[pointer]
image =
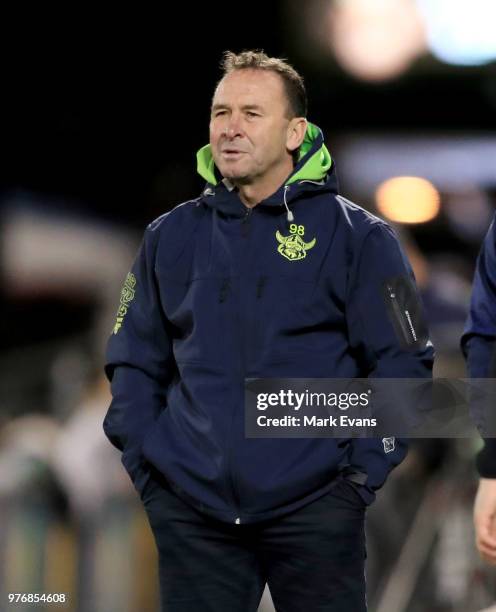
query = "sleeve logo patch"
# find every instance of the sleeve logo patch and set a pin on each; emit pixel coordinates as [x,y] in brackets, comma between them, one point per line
[293,247]
[127,296]
[388,444]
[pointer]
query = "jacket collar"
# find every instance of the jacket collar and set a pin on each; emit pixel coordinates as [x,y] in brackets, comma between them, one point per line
[314,171]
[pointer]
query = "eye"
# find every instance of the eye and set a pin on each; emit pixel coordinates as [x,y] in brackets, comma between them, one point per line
[252,114]
[219,113]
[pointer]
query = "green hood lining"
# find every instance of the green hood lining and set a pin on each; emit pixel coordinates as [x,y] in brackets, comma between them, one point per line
[314,169]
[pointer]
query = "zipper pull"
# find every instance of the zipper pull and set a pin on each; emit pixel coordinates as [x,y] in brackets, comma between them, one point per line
[245,225]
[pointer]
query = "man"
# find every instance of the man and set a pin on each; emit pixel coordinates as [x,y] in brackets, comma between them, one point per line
[479,347]
[269,273]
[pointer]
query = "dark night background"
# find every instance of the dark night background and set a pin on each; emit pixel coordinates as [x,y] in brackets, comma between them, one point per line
[99,111]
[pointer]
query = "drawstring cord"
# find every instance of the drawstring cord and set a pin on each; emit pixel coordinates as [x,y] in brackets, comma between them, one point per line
[289,216]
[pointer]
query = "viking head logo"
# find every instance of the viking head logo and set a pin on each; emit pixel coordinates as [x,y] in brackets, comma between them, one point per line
[293,247]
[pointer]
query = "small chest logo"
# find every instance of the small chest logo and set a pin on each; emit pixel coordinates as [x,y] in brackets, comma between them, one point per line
[293,247]
[127,296]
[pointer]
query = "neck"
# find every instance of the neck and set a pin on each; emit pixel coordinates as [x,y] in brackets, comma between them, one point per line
[253,193]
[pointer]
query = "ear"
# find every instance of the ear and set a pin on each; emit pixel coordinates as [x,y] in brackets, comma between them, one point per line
[295,133]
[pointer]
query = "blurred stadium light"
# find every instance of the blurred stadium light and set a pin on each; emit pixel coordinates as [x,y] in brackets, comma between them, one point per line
[375,40]
[460,32]
[408,199]
[379,40]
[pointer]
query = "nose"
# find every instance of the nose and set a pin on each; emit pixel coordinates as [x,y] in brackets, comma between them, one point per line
[233,127]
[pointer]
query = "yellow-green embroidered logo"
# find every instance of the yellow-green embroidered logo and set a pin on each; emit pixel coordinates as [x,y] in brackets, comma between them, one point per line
[127,296]
[293,247]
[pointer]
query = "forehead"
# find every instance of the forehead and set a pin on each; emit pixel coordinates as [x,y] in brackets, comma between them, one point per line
[248,86]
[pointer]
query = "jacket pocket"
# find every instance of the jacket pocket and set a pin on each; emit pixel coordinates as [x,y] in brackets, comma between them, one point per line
[405,312]
[138,469]
[349,492]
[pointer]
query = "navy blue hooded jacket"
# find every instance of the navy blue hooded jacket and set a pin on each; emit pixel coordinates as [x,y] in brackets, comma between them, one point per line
[479,336]
[219,293]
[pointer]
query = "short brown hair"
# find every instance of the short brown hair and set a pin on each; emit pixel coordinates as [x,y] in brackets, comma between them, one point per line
[293,82]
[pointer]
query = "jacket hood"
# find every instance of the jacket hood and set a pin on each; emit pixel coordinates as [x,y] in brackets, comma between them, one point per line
[315,168]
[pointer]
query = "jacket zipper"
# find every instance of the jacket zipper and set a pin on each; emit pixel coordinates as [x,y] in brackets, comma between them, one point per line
[406,327]
[235,495]
[229,445]
[234,491]
[245,222]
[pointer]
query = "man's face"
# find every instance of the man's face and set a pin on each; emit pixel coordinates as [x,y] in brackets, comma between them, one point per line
[249,123]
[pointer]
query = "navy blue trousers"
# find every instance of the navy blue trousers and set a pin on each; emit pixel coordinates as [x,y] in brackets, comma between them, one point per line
[313,559]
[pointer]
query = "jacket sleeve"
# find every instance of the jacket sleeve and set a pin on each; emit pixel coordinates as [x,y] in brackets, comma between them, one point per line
[479,337]
[139,361]
[388,333]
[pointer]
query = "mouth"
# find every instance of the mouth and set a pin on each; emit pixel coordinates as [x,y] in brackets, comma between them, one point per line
[232,152]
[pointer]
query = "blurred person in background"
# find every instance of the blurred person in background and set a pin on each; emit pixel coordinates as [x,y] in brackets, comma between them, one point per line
[104,511]
[479,348]
[269,273]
